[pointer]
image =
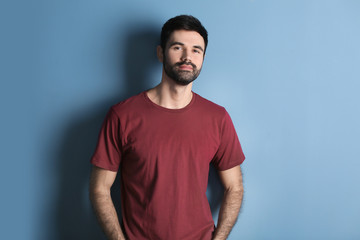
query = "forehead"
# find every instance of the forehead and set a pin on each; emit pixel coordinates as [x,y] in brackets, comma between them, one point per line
[186,37]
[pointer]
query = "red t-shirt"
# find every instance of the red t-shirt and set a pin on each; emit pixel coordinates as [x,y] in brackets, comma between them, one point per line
[164,156]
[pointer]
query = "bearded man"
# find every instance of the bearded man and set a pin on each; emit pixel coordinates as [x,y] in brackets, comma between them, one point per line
[162,141]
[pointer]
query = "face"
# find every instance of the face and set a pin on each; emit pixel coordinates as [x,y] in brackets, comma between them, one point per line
[183,56]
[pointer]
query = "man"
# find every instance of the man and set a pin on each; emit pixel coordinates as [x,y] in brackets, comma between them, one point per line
[163,140]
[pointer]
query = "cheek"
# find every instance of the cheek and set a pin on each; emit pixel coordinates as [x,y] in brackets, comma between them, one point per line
[173,54]
[171,59]
[199,62]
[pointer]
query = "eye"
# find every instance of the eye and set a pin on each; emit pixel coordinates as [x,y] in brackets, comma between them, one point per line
[176,47]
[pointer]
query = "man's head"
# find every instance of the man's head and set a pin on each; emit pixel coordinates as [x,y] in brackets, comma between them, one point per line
[182,48]
[182,22]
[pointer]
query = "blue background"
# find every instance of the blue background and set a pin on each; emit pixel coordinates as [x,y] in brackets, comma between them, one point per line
[286,71]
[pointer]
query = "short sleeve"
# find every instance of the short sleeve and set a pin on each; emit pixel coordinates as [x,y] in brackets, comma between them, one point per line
[108,150]
[229,153]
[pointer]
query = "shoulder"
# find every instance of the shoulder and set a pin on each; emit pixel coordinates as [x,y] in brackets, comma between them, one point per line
[206,106]
[132,104]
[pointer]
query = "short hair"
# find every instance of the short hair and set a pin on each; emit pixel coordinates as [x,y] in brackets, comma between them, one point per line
[182,22]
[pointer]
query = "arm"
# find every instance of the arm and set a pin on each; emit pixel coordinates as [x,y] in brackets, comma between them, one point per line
[231,203]
[100,184]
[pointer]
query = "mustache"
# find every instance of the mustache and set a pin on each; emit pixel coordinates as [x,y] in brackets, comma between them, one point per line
[185,63]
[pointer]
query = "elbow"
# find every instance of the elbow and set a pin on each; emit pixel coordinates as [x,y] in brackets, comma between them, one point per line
[236,190]
[96,192]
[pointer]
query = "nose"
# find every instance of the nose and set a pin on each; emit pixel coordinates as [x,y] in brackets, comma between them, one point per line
[185,57]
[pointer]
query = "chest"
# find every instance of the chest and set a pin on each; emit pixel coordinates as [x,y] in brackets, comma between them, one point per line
[175,140]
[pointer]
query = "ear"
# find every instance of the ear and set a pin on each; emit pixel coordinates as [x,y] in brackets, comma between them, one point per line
[160,53]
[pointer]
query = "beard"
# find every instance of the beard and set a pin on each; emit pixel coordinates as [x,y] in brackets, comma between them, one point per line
[181,77]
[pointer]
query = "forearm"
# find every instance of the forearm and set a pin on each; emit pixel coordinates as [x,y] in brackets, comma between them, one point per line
[106,215]
[228,214]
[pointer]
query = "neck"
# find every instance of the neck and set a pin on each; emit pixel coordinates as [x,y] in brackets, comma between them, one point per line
[170,95]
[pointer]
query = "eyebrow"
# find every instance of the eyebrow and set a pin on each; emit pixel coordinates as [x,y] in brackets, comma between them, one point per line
[181,44]
[198,47]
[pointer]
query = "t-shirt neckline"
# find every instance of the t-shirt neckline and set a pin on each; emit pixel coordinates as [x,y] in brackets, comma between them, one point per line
[187,107]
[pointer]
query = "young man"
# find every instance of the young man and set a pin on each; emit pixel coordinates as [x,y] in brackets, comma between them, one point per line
[163,140]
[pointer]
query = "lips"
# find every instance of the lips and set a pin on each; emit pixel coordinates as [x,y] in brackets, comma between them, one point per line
[185,67]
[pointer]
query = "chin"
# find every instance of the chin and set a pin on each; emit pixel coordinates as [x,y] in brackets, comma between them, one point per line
[183,82]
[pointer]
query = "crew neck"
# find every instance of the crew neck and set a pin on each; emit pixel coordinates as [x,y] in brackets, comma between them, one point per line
[154,105]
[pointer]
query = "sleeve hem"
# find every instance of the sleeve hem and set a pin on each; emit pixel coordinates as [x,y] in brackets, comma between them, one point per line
[104,166]
[229,166]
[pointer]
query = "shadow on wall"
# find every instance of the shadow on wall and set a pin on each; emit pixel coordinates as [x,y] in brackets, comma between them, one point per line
[74,218]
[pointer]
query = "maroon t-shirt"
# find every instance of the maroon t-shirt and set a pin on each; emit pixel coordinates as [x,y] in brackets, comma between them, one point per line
[164,156]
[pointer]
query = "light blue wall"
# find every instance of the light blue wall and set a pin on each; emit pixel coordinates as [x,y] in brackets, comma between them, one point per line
[287,72]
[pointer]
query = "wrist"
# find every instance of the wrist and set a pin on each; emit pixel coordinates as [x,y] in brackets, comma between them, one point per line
[217,235]
[218,238]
